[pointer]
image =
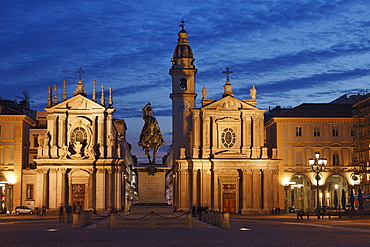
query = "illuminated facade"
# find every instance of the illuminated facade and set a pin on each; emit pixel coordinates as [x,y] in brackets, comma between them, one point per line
[298,134]
[15,122]
[218,155]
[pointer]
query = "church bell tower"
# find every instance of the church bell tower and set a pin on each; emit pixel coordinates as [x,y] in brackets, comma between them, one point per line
[183,93]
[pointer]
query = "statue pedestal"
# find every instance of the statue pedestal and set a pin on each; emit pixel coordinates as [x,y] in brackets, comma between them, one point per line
[151,192]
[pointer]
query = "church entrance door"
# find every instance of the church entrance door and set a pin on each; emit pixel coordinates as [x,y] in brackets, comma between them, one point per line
[78,194]
[229,202]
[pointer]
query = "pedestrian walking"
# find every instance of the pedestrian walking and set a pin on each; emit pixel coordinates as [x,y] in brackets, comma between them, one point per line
[61,214]
[78,209]
[69,213]
[43,210]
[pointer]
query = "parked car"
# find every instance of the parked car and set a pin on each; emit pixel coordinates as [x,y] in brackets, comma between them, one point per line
[24,210]
[293,210]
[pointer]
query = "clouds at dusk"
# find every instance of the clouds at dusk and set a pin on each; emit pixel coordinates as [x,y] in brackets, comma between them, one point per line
[292,51]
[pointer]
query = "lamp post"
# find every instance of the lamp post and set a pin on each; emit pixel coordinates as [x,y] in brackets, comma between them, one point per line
[317,166]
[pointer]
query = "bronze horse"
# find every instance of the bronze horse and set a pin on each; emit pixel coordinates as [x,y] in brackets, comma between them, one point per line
[151,136]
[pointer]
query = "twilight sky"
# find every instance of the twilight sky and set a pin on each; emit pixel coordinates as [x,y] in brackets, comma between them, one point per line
[292,51]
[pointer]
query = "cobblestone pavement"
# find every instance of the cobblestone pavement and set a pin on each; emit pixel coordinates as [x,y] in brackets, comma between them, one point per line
[271,230]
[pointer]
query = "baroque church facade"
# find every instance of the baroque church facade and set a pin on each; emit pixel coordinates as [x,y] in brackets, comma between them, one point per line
[218,156]
[82,156]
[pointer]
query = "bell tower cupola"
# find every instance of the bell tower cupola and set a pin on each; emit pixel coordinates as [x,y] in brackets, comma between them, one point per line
[183,93]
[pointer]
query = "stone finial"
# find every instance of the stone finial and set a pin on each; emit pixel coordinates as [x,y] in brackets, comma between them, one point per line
[49,96]
[55,95]
[102,98]
[110,101]
[64,90]
[94,91]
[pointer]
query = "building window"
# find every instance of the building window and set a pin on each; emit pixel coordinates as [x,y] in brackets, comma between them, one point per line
[78,135]
[183,84]
[228,137]
[298,131]
[353,132]
[335,159]
[29,191]
[316,131]
[335,131]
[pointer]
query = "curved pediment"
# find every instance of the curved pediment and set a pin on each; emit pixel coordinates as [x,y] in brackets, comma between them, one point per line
[299,145]
[336,145]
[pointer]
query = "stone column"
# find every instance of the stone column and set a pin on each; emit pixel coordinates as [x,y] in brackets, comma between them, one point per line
[91,190]
[205,181]
[247,191]
[53,120]
[118,189]
[184,202]
[100,189]
[101,134]
[62,131]
[267,190]
[53,188]
[195,189]
[61,187]
[196,135]
[206,137]
[246,143]
[41,189]
[256,189]
[110,138]
[216,191]
[109,190]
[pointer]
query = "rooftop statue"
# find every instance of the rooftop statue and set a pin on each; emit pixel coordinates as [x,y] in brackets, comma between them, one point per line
[151,136]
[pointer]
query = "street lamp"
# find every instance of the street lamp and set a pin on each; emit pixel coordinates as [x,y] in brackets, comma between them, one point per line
[317,166]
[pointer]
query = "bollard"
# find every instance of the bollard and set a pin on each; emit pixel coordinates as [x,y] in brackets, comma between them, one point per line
[113,221]
[226,220]
[188,221]
[151,221]
[308,215]
[75,221]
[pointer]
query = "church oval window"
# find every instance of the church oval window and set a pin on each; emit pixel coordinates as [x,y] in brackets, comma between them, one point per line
[228,137]
[79,134]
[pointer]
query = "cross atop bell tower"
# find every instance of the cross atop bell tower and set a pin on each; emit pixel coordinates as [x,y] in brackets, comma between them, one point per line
[183,92]
[227,86]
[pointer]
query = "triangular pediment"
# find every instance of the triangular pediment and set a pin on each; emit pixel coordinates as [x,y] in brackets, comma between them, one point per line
[78,102]
[317,145]
[229,103]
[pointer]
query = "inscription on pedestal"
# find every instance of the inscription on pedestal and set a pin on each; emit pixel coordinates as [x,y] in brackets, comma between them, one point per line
[151,188]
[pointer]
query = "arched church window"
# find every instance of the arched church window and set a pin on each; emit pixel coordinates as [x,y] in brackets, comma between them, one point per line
[79,134]
[183,84]
[228,137]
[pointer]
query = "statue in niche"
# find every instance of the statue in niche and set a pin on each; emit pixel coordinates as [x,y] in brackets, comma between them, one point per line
[253,93]
[150,136]
[46,139]
[110,140]
[40,140]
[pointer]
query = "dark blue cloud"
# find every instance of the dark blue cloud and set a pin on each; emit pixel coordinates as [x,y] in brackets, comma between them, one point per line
[294,51]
